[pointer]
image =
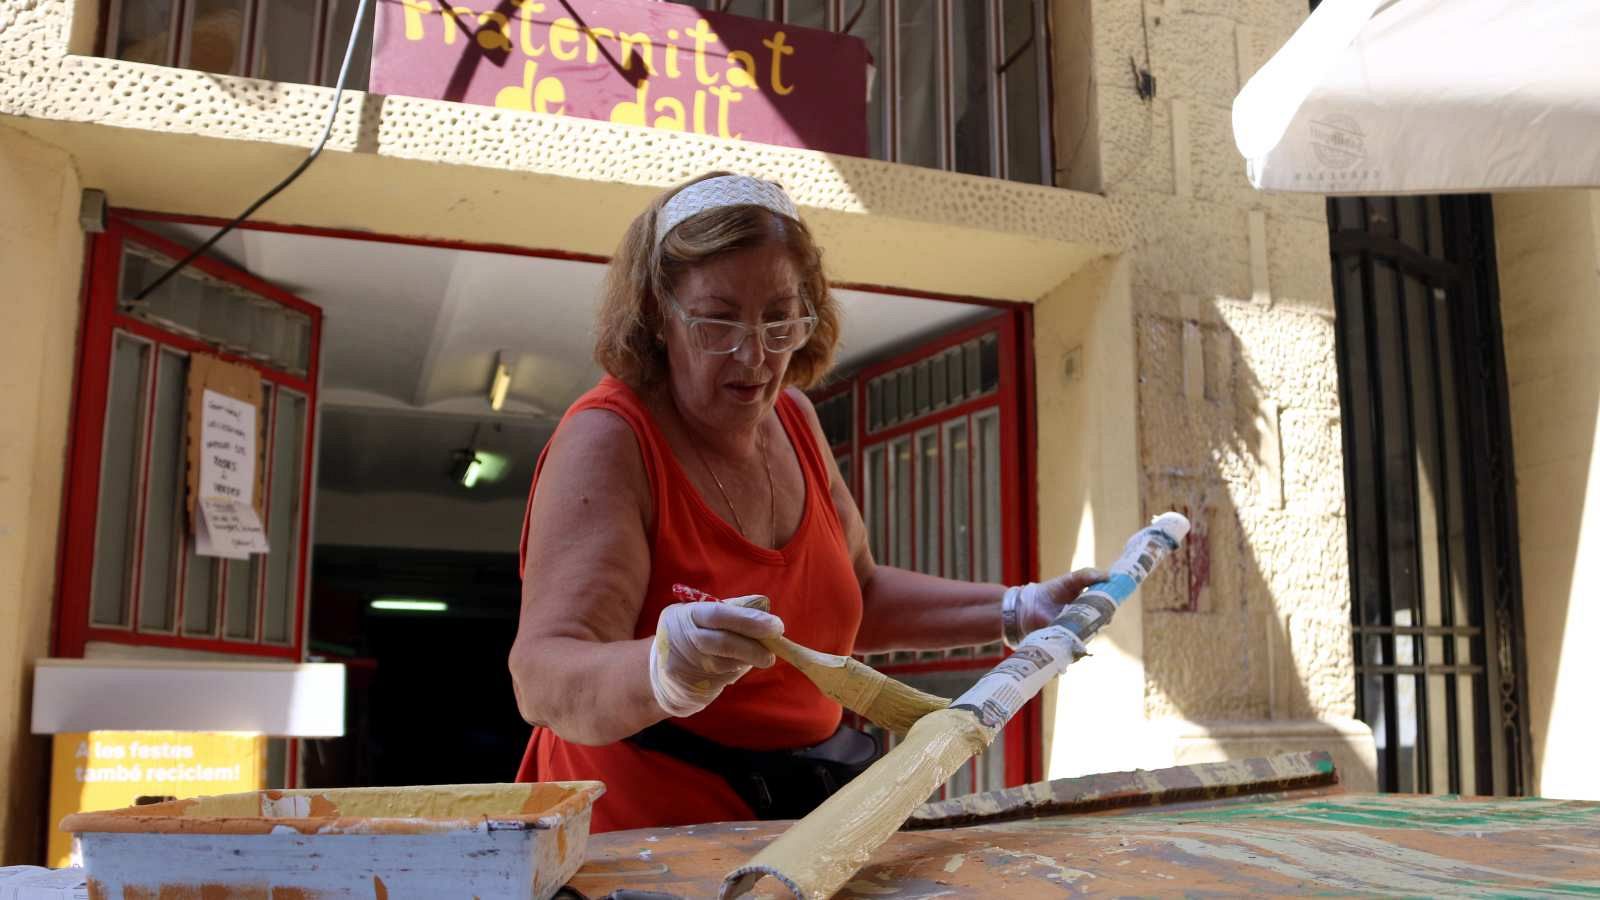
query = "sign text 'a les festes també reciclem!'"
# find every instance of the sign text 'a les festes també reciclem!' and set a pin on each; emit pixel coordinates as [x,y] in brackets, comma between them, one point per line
[661,65]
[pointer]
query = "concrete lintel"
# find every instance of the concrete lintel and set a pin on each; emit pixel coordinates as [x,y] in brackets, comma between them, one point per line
[878,223]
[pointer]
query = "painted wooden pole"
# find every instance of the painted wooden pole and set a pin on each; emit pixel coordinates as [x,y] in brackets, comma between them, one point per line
[821,852]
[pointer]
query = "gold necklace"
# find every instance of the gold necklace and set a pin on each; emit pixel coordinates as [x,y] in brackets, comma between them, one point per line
[772,490]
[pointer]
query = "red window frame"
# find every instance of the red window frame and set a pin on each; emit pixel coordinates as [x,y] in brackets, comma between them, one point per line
[1013,402]
[102,319]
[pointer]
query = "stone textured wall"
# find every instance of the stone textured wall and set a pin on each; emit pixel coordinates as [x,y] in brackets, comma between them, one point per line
[41,254]
[1238,389]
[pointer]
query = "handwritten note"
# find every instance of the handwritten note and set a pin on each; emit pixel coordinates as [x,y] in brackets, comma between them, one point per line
[227,524]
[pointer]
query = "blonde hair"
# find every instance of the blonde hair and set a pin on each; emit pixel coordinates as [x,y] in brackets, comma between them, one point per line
[631,311]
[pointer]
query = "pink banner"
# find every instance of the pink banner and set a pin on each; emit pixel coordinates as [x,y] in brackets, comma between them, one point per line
[661,65]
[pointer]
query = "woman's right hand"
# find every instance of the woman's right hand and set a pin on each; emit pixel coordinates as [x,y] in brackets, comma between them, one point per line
[701,648]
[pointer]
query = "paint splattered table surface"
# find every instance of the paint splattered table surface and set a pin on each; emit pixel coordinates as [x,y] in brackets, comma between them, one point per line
[1324,843]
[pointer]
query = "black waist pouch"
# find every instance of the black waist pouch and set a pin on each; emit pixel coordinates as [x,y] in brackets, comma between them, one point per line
[777,784]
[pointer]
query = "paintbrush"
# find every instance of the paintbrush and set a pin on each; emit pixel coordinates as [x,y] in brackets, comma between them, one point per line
[821,853]
[881,700]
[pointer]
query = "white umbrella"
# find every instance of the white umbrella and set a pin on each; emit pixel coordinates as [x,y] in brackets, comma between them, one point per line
[1428,96]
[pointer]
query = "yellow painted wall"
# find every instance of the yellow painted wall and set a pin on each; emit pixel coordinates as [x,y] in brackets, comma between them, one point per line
[1548,252]
[41,254]
[1212,387]
[1089,503]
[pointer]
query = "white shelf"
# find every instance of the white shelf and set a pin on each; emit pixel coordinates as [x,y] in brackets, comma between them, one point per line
[275,699]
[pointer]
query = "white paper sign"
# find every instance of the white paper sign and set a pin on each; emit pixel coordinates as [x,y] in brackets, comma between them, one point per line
[228,528]
[227,447]
[226,523]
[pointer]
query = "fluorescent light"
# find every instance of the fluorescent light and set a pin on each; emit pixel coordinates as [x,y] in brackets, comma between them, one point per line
[469,475]
[469,466]
[407,604]
[501,384]
[494,465]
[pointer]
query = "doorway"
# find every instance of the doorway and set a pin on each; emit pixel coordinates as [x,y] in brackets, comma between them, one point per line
[413,474]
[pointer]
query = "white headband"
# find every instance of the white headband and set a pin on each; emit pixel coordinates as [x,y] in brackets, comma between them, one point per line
[724,190]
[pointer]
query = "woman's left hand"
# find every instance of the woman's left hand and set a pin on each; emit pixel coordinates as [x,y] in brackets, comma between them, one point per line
[1042,602]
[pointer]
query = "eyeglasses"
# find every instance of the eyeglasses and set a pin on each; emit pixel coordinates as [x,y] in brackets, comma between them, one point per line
[723,336]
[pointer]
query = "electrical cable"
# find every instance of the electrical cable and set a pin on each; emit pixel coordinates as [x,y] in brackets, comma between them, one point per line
[316,150]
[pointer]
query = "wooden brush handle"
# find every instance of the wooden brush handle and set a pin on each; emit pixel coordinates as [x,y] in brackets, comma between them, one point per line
[800,656]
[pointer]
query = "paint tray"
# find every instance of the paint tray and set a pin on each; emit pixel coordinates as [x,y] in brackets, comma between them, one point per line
[473,840]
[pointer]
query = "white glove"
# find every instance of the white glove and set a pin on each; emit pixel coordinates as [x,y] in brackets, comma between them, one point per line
[1034,605]
[701,648]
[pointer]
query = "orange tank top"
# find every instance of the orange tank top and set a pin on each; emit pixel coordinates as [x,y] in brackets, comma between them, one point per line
[813,588]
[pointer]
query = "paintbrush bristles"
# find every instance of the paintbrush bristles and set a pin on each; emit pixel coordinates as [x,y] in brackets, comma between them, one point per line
[863,690]
[898,706]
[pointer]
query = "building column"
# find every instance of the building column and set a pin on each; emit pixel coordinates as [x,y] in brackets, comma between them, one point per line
[1548,256]
[41,252]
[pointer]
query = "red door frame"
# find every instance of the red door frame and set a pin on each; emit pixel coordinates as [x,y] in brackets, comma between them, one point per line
[73,630]
[1028,546]
[1019,497]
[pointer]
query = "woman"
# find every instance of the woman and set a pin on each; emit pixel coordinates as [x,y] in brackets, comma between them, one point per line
[698,461]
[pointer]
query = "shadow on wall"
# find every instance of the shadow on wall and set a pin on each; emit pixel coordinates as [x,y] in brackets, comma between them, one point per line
[1249,628]
[1240,645]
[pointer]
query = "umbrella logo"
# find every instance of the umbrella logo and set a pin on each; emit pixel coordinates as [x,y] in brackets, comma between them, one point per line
[1338,141]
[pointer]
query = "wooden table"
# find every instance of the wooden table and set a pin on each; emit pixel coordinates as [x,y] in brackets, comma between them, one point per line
[1278,826]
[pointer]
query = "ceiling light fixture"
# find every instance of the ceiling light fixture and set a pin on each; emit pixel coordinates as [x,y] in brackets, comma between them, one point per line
[467,469]
[501,383]
[409,604]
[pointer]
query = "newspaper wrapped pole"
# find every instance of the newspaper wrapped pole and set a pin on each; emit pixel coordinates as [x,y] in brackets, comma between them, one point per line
[821,852]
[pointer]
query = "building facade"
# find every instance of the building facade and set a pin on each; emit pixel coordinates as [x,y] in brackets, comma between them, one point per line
[1166,338]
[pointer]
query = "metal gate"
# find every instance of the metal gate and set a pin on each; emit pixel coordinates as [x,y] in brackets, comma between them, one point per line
[1436,589]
